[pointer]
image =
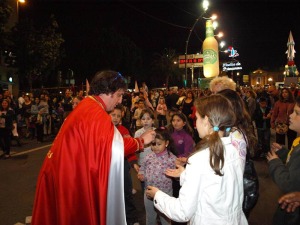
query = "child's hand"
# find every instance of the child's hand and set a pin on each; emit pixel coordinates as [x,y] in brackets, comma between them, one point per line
[151,191]
[136,167]
[181,161]
[272,155]
[175,172]
[141,177]
[290,201]
[275,147]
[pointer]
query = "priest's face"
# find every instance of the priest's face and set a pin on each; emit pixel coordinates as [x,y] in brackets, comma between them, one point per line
[113,99]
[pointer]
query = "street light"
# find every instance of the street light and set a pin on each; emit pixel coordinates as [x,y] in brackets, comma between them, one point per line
[21,2]
[205,5]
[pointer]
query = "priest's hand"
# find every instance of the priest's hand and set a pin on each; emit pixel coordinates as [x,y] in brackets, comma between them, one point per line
[148,136]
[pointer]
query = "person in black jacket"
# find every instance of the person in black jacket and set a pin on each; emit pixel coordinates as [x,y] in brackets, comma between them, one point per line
[262,117]
[6,125]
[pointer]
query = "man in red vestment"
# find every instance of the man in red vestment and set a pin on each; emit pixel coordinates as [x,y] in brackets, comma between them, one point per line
[81,180]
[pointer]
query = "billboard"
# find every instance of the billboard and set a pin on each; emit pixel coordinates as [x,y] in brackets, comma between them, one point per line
[193,60]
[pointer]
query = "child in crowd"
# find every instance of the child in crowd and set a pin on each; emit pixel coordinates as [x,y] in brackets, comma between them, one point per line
[262,118]
[137,114]
[152,172]
[161,110]
[147,121]
[284,168]
[212,182]
[133,120]
[182,134]
[131,160]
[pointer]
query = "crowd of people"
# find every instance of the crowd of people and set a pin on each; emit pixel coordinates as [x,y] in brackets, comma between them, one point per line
[188,148]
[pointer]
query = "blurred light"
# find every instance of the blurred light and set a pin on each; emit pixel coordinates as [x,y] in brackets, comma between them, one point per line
[214,17]
[222,44]
[215,24]
[205,4]
[220,34]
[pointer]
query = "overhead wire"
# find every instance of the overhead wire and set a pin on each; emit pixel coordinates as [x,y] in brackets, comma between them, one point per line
[153,17]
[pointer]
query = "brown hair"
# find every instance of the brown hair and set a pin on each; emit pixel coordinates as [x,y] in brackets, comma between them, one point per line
[221,116]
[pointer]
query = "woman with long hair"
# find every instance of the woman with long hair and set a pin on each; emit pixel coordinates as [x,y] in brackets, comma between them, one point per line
[283,108]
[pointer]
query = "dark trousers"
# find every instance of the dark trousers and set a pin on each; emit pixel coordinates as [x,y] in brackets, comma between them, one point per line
[291,135]
[130,209]
[5,139]
[263,138]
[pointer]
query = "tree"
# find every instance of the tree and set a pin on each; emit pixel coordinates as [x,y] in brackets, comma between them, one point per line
[163,64]
[108,49]
[5,12]
[38,50]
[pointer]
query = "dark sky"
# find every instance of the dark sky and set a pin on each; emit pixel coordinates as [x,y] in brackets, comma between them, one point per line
[257,29]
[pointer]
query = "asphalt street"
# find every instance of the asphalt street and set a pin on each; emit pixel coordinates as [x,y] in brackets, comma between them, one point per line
[19,175]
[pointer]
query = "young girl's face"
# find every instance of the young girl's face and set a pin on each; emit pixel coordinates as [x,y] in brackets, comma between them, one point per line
[178,123]
[4,105]
[202,125]
[295,119]
[285,94]
[116,116]
[147,121]
[159,145]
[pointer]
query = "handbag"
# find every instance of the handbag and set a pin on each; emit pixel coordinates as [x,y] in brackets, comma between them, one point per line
[281,128]
[251,186]
[251,183]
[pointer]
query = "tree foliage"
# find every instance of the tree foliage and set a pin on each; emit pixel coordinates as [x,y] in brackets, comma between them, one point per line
[5,12]
[108,49]
[165,68]
[38,50]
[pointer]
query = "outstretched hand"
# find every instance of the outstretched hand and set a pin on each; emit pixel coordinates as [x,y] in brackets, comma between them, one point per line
[175,172]
[290,201]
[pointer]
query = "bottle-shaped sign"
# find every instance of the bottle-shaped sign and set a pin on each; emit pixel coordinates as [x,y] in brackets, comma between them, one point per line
[210,52]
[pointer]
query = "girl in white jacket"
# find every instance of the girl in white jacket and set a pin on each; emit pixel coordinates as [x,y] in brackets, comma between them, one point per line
[212,182]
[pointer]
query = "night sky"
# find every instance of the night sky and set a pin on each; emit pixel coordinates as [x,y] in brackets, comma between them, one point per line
[257,29]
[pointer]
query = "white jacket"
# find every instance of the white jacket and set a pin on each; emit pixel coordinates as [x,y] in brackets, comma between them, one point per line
[207,198]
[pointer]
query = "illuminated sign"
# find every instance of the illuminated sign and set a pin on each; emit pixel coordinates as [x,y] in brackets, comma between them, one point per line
[229,66]
[193,60]
[232,52]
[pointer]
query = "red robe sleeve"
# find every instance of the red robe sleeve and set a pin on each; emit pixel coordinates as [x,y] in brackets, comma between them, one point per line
[131,145]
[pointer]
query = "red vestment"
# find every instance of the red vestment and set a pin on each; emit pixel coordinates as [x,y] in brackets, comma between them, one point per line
[77,178]
[129,154]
